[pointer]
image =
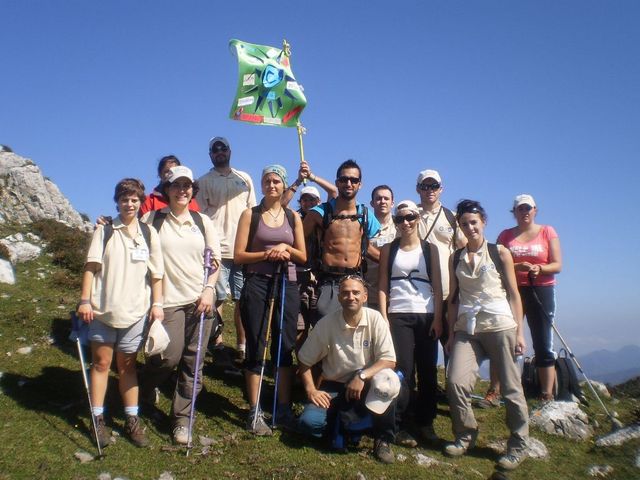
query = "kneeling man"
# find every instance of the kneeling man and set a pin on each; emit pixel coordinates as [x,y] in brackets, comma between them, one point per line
[356,350]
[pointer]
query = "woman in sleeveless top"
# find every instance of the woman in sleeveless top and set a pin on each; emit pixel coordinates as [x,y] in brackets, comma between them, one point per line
[411,299]
[186,299]
[275,245]
[536,254]
[485,315]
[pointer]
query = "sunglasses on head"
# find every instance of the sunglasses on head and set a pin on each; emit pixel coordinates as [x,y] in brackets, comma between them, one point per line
[425,187]
[345,179]
[409,217]
[218,147]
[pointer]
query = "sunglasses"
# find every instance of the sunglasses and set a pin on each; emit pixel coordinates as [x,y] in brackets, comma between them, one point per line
[524,208]
[409,217]
[425,187]
[219,148]
[182,185]
[345,179]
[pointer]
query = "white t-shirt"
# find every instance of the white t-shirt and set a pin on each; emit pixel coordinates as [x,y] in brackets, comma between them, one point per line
[413,294]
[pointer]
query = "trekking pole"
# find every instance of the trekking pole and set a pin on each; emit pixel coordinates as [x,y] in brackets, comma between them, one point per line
[266,344]
[615,423]
[280,325]
[75,327]
[207,271]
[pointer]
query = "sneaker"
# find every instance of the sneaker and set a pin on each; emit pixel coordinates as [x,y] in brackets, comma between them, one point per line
[181,435]
[429,434]
[135,431]
[512,459]
[382,451]
[104,437]
[404,439]
[490,400]
[259,427]
[461,445]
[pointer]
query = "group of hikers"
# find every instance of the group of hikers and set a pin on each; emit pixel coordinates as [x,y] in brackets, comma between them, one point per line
[361,294]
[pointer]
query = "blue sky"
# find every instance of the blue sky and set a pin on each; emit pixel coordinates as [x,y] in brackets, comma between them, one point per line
[501,97]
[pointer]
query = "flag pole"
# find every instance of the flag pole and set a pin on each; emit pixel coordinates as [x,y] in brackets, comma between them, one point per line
[286,49]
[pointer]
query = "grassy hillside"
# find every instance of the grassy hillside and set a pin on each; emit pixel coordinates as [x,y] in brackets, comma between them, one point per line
[44,416]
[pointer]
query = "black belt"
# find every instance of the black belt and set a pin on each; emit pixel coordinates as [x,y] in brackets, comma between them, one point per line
[325,269]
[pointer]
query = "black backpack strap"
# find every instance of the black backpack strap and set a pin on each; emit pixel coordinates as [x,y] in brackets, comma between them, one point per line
[108,233]
[393,251]
[158,219]
[197,219]
[364,240]
[291,218]
[453,221]
[494,253]
[426,253]
[456,260]
[253,225]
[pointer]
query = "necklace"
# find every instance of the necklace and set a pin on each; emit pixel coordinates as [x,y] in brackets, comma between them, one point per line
[275,217]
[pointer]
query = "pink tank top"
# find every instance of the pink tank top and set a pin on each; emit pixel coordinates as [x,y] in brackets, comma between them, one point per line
[267,237]
[536,251]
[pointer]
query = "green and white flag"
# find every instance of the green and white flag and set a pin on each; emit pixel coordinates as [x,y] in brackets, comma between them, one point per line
[267,93]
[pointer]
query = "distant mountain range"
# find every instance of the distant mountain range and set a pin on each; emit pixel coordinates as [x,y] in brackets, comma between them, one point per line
[612,367]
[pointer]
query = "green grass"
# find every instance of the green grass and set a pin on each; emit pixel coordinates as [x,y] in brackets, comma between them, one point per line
[44,417]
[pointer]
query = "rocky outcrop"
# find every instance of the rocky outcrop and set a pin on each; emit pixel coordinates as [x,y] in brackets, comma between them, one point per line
[26,195]
[20,250]
[564,419]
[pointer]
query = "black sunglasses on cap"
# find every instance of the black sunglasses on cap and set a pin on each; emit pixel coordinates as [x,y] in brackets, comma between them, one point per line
[345,179]
[409,217]
[425,187]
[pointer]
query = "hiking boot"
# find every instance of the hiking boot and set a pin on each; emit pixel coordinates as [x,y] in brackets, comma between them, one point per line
[429,434]
[404,439]
[104,437]
[135,431]
[461,445]
[490,400]
[382,451]
[181,435]
[512,459]
[285,419]
[260,428]
[545,399]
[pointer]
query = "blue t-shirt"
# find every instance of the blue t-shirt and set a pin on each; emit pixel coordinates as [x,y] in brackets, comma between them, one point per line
[374,224]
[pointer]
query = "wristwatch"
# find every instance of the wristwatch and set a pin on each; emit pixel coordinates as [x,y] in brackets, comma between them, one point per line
[361,375]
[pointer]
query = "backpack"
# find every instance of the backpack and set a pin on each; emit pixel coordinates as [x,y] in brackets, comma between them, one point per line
[451,218]
[566,388]
[160,216]
[529,378]
[393,251]
[108,233]
[494,254]
[362,215]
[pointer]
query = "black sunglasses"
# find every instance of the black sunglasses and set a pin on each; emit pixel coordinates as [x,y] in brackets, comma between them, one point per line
[219,148]
[345,179]
[525,207]
[425,187]
[409,217]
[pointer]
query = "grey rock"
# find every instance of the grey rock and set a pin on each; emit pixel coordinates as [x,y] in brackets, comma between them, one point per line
[600,471]
[619,437]
[401,458]
[7,274]
[426,461]
[104,476]
[564,419]
[166,476]
[206,441]
[19,249]
[24,350]
[599,387]
[26,195]
[84,457]
[536,449]
[360,476]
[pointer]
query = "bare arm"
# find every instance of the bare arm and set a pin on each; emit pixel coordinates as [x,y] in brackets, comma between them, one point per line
[383,279]
[373,253]
[555,260]
[514,297]
[240,254]
[85,311]
[318,397]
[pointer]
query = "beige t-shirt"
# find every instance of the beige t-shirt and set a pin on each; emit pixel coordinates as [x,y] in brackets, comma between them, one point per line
[344,349]
[442,237]
[183,250]
[223,198]
[386,235]
[121,292]
[481,289]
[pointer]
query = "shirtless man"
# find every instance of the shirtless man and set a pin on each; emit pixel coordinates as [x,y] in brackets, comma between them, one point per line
[341,242]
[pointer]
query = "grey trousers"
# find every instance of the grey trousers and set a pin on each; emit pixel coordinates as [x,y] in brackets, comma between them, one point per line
[181,324]
[468,353]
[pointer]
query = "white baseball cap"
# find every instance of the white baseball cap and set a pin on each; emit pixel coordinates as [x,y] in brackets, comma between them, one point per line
[523,199]
[384,388]
[179,171]
[215,140]
[309,190]
[423,175]
[407,205]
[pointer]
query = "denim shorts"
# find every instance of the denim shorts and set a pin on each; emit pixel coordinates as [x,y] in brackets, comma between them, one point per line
[125,340]
[230,280]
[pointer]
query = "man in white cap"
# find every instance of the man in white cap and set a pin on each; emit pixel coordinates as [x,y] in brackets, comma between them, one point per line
[354,345]
[224,194]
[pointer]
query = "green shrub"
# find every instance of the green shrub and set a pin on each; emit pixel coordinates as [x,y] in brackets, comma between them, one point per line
[67,245]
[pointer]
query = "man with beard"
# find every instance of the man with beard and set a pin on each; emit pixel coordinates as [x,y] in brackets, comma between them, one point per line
[224,194]
[343,229]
